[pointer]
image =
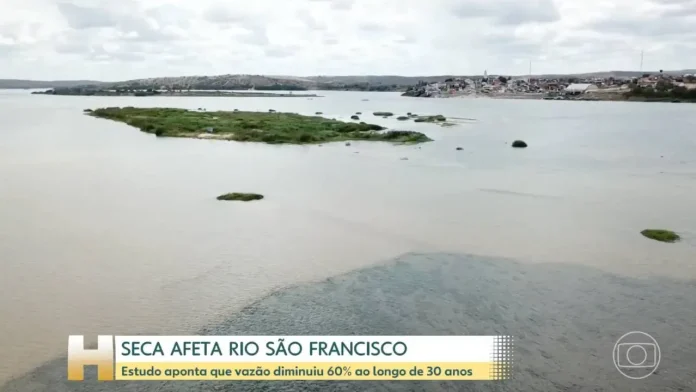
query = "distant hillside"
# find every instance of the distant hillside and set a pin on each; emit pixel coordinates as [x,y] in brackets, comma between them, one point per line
[266,82]
[410,80]
[18,83]
[219,82]
[615,74]
[377,79]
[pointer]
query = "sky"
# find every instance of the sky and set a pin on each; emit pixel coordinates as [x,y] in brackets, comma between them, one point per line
[114,40]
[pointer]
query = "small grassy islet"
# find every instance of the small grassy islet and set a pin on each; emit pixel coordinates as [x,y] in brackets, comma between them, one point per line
[265,127]
[660,235]
[237,196]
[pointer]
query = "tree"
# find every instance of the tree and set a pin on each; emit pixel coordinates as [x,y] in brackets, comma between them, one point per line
[680,91]
[502,79]
[663,86]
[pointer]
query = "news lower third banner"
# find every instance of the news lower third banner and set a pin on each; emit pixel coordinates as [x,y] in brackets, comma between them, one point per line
[293,358]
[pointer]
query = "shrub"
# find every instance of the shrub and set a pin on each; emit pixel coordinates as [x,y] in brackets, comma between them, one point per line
[305,138]
[660,235]
[240,196]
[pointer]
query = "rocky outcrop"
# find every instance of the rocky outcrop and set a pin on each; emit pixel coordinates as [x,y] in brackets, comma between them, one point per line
[431,119]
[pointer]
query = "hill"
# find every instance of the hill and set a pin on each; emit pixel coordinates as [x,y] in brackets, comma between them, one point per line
[615,74]
[267,82]
[377,79]
[223,82]
[220,82]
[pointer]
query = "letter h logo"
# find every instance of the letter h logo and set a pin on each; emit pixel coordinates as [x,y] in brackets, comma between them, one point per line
[79,357]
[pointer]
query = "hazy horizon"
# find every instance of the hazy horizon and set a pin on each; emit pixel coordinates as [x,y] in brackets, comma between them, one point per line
[133,39]
[345,75]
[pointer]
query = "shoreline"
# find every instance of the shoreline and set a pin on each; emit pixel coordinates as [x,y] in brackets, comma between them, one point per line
[587,98]
[593,96]
[188,94]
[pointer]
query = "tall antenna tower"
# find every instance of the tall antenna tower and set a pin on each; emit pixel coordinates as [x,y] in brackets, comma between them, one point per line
[641,61]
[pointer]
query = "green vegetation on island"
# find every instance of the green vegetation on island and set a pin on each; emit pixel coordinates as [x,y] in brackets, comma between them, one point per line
[240,196]
[265,127]
[383,114]
[361,86]
[660,235]
[402,118]
[664,91]
[128,92]
[519,144]
[275,87]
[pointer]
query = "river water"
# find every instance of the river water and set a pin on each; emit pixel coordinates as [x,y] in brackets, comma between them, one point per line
[105,229]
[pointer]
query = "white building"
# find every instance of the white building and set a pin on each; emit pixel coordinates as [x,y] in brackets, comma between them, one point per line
[580,88]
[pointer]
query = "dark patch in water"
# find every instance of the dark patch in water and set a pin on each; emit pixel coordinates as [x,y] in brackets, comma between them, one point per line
[565,318]
[513,193]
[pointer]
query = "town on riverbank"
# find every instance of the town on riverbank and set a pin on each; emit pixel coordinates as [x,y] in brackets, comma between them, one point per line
[648,87]
[667,86]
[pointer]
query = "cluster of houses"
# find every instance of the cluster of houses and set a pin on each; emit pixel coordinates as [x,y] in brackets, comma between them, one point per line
[545,87]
